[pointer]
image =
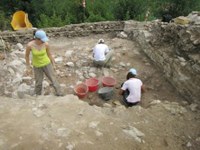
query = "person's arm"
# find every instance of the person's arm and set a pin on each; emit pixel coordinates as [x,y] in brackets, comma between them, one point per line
[121,92]
[28,50]
[123,88]
[28,64]
[107,50]
[142,89]
[93,52]
[49,54]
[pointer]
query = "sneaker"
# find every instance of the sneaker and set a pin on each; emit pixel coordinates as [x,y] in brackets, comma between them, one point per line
[107,66]
[59,94]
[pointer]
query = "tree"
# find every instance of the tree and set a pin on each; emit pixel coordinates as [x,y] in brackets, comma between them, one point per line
[175,7]
[131,9]
[49,13]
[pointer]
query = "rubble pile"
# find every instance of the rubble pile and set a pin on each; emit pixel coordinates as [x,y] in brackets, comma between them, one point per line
[174,48]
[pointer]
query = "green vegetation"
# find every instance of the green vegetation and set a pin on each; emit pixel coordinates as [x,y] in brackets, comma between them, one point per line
[56,13]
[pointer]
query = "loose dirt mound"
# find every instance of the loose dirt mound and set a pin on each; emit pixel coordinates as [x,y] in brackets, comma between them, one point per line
[49,122]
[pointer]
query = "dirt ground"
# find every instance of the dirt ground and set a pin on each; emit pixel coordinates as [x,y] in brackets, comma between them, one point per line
[163,120]
[126,55]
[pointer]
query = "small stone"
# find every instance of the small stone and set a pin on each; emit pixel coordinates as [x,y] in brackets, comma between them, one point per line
[189,144]
[93,124]
[107,105]
[92,75]
[70,64]
[59,60]
[198,139]
[20,47]
[68,54]
[122,64]
[98,133]
[193,107]
[155,102]
[70,147]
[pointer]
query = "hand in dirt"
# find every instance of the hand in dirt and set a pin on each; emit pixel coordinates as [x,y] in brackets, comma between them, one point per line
[2,56]
[28,71]
[54,66]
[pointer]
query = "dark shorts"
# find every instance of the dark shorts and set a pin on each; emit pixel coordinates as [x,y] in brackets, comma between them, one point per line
[125,95]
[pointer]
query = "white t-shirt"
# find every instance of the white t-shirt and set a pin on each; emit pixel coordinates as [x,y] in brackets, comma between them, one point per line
[134,86]
[100,51]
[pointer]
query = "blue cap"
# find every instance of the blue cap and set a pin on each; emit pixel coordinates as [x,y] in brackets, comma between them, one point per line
[40,34]
[133,71]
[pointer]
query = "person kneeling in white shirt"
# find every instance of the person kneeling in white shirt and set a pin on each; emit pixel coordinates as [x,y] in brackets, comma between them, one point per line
[102,54]
[131,89]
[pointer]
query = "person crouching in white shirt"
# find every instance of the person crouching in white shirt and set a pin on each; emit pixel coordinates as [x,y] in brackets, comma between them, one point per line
[131,89]
[102,54]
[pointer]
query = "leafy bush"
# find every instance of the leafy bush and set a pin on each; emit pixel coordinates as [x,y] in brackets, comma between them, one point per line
[175,7]
[95,18]
[52,21]
[56,13]
[131,9]
[4,22]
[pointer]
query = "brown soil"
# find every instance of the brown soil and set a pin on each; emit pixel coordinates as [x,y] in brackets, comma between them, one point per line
[125,51]
[68,123]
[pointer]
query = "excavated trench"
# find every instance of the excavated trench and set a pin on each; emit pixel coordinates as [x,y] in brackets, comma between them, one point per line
[127,55]
[74,65]
[166,119]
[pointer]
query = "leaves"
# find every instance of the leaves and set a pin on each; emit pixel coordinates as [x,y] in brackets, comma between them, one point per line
[56,13]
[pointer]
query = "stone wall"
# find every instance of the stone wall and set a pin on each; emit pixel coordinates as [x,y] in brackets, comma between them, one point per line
[175,49]
[84,29]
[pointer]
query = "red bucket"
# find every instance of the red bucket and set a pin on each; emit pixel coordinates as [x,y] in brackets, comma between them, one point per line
[108,81]
[81,90]
[92,84]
